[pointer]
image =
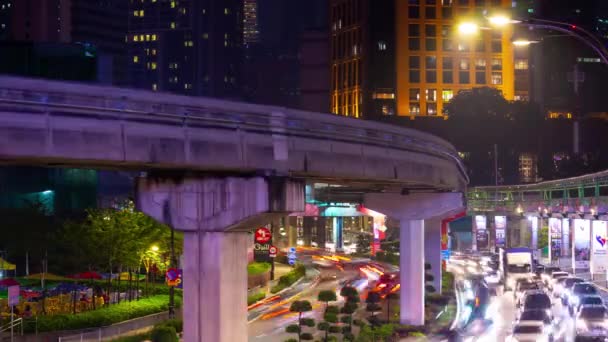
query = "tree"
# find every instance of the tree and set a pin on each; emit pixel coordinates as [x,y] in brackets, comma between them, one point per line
[351,296]
[477,103]
[389,297]
[300,306]
[327,296]
[364,242]
[428,279]
[373,300]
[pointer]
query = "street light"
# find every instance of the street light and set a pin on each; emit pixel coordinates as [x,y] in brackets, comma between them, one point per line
[468,28]
[154,248]
[523,42]
[499,20]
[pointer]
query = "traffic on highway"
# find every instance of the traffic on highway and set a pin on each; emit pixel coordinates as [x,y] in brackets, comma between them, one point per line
[509,296]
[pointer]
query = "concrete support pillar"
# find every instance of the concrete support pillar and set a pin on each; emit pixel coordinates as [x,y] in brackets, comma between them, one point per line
[216,215]
[215,286]
[292,231]
[307,224]
[432,250]
[339,233]
[321,232]
[411,211]
[411,260]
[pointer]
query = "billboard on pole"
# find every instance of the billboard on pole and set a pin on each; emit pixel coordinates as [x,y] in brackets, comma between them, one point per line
[500,224]
[555,238]
[481,233]
[581,245]
[599,258]
[566,237]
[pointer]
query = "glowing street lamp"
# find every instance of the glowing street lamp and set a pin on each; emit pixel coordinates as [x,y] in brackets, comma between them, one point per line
[499,20]
[523,42]
[154,248]
[468,28]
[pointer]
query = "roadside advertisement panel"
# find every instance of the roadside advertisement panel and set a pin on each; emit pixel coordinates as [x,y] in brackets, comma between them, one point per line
[533,224]
[481,233]
[580,247]
[500,222]
[599,258]
[555,238]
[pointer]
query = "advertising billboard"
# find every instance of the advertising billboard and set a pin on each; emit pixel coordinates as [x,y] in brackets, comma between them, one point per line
[481,233]
[599,258]
[555,238]
[581,245]
[500,224]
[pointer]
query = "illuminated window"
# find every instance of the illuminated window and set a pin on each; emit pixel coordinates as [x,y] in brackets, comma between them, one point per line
[414,109]
[480,64]
[464,64]
[135,38]
[431,95]
[135,59]
[226,11]
[147,37]
[496,78]
[141,13]
[447,95]
[188,43]
[205,35]
[141,37]
[187,86]
[172,25]
[521,64]
[381,45]
[431,109]
[154,87]
[446,2]
[172,4]
[154,37]
[182,10]
[136,13]
[496,64]
[414,94]
[153,52]
[153,66]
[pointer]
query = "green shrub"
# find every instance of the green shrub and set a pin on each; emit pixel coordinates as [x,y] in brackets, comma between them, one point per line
[333,309]
[256,297]
[323,326]
[306,336]
[358,322]
[256,268]
[164,334]
[288,279]
[331,317]
[104,316]
[308,322]
[177,324]
[133,338]
[334,329]
[345,319]
[292,329]
[416,334]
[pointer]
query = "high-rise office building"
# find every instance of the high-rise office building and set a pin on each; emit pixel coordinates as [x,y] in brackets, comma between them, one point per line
[362,57]
[192,47]
[251,31]
[100,24]
[435,61]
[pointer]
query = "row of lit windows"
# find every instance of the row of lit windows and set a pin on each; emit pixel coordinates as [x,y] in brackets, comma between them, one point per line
[477,3]
[464,77]
[430,31]
[345,14]
[346,44]
[431,95]
[430,44]
[143,38]
[448,63]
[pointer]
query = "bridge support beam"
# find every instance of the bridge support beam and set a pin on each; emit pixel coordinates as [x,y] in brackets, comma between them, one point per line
[216,216]
[412,211]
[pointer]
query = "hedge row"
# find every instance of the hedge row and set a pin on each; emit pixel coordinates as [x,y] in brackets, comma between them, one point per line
[256,268]
[256,297]
[287,280]
[105,316]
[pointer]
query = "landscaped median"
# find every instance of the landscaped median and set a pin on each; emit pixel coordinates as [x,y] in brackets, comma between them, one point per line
[104,316]
[289,279]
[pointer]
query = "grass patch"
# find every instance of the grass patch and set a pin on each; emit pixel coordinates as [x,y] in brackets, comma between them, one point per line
[289,278]
[105,316]
[256,268]
[133,338]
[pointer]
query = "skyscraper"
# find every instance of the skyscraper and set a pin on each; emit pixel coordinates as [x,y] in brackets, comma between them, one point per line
[435,61]
[100,24]
[192,47]
[251,31]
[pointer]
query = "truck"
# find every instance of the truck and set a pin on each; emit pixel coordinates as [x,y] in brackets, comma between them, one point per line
[515,263]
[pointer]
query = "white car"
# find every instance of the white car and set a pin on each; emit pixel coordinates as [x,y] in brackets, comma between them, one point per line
[591,321]
[555,276]
[529,331]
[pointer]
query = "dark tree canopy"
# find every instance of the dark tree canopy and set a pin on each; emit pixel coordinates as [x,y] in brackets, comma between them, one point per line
[478,104]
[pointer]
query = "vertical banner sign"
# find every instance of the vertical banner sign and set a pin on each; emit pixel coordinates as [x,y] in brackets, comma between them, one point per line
[481,233]
[555,238]
[261,244]
[500,223]
[565,237]
[599,258]
[533,224]
[580,247]
[13,295]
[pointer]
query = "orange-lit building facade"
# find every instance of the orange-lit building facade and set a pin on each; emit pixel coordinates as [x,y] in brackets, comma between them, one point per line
[434,61]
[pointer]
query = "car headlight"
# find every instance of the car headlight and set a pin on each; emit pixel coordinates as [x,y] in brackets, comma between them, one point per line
[574,300]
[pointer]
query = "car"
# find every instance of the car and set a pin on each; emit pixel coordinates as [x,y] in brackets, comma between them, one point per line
[591,321]
[535,315]
[555,276]
[547,271]
[522,288]
[520,281]
[579,290]
[587,300]
[535,300]
[529,331]
[566,289]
